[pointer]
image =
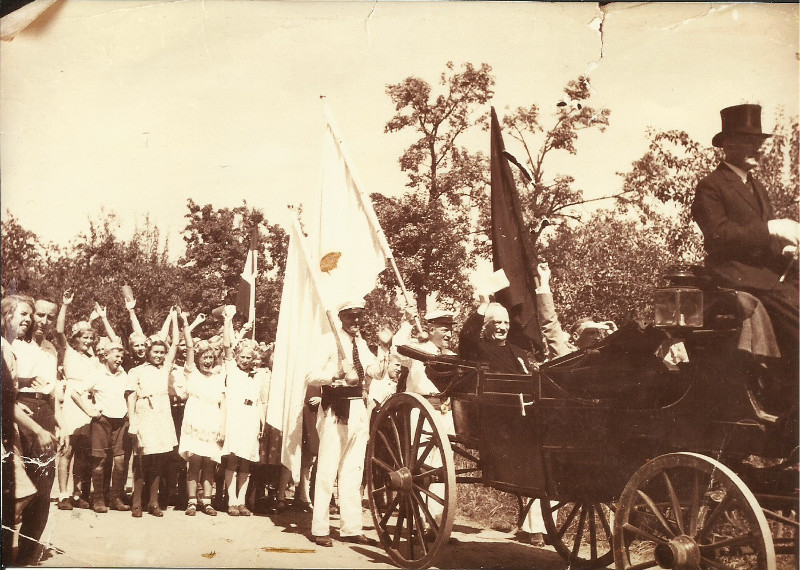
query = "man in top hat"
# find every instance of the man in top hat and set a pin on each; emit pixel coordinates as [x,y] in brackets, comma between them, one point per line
[344,374]
[747,248]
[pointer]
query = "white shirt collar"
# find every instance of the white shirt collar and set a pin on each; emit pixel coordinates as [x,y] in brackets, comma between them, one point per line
[741,173]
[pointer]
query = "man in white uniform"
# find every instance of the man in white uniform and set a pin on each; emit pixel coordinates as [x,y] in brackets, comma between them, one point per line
[343,424]
[439,325]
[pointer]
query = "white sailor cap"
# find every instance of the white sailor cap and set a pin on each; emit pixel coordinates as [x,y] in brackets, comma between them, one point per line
[352,304]
[439,316]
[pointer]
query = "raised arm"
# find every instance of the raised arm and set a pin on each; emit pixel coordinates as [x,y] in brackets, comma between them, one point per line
[102,313]
[227,332]
[243,331]
[173,346]
[162,334]
[553,333]
[130,304]
[61,319]
[187,335]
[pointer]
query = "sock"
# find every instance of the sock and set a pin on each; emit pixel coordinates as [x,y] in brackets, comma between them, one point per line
[240,498]
[232,497]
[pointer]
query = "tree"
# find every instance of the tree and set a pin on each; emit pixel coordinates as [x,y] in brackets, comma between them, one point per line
[23,256]
[607,267]
[542,197]
[668,173]
[96,265]
[217,241]
[429,227]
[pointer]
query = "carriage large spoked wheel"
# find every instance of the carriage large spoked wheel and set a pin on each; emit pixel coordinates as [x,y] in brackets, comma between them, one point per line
[411,480]
[686,510]
[580,531]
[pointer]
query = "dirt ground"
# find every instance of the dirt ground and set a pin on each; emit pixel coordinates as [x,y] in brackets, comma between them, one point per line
[83,538]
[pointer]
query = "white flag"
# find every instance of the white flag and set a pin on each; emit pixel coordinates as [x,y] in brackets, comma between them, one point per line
[344,252]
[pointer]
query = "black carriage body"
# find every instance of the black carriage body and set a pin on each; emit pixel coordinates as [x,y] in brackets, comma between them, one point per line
[592,418]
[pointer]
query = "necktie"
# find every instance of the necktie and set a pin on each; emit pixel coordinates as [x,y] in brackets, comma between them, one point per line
[360,372]
[357,362]
[752,186]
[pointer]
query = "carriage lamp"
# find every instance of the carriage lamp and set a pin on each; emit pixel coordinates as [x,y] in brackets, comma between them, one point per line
[678,307]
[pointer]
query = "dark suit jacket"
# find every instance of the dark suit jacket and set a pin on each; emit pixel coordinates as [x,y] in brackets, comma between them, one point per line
[733,220]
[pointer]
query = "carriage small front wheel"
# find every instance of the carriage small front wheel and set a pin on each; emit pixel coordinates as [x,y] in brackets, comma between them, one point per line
[411,480]
[686,510]
[580,531]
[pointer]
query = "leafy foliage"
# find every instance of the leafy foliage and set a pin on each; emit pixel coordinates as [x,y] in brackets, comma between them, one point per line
[22,254]
[97,264]
[217,241]
[429,228]
[542,197]
[668,173]
[608,267]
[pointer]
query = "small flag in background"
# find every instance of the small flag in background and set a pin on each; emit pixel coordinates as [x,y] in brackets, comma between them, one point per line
[246,295]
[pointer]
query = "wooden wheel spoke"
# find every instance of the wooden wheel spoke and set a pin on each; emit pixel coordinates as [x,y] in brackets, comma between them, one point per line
[560,532]
[656,511]
[383,465]
[721,507]
[576,546]
[716,564]
[388,448]
[676,504]
[604,523]
[746,539]
[429,518]
[643,533]
[428,493]
[405,437]
[379,490]
[409,526]
[398,528]
[416,440]
[428,473]
[396,434]
[643,565]
[694,507]
[420,526]
[429,445]
[389,511]
[592,534]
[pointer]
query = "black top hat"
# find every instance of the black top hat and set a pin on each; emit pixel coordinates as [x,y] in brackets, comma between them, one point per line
[740,119]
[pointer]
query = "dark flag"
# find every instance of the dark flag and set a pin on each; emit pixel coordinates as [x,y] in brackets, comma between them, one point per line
[512,251]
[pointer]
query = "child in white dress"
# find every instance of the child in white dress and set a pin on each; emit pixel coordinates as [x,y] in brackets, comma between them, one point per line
[203,428]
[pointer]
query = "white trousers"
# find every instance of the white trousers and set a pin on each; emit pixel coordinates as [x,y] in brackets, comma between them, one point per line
[342,448]
[534,522]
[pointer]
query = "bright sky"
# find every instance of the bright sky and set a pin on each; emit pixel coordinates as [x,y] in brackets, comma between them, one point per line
[136,106]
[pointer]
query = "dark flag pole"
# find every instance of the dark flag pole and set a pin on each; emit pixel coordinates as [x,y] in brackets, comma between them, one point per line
[512,250]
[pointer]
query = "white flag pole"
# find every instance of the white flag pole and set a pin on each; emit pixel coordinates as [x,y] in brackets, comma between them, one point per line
[366,204]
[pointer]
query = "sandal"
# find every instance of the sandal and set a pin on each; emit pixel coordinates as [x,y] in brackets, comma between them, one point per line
[209,510]
[191,510]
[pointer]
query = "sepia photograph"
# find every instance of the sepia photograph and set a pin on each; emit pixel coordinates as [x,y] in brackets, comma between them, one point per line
[400,284]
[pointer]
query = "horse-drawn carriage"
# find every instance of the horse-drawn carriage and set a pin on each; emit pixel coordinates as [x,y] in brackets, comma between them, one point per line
[637,462]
